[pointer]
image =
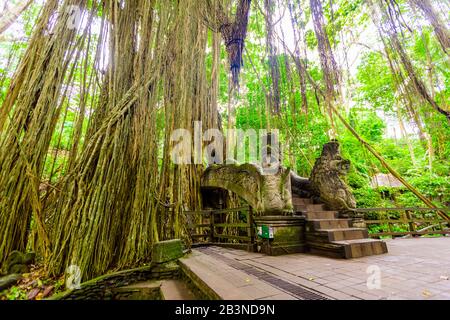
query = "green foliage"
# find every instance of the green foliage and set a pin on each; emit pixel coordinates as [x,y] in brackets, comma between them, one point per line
[432,186]
[16,293]
[367,197]
[368,124]
[376,86]
[311,40]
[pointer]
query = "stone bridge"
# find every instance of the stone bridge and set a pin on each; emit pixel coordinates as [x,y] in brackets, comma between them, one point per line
[266,194]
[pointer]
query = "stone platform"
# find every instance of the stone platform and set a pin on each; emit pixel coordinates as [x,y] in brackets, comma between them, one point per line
[414,269]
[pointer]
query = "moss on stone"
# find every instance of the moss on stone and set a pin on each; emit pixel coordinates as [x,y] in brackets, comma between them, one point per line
[165,251]
[266,194]
[287,234]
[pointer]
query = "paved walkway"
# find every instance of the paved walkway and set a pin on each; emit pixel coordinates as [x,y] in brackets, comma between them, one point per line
[413,269]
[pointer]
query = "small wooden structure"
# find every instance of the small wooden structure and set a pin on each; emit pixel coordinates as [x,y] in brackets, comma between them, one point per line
[385,180]
[210,227]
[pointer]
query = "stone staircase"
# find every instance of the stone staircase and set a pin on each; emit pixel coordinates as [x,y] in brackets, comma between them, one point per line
[328,235]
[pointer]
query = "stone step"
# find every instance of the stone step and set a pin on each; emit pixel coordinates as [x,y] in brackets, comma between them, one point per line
[217,280]
[144,290]
[349,248]
[315,207]
[328,249]
[299,207]
[362,247]
[301,201]
[309,207]
[176,290]
[321,215]
[345,233]
[329,223]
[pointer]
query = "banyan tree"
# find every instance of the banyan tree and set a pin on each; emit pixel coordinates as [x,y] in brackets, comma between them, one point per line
[131,62]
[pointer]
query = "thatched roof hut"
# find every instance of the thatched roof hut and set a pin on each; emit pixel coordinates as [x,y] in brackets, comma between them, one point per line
[385,180]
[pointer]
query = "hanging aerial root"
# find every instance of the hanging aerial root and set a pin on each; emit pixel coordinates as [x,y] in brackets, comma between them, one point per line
[233,31]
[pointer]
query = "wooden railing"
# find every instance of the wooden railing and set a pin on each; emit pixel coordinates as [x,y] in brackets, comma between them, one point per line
[397,222]
[211,226]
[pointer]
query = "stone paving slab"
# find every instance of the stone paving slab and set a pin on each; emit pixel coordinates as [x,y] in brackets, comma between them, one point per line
[416,269]
[229,283]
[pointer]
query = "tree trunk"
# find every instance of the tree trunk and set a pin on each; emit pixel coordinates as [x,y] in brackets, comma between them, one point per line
[273,59]
[440,29]
[11,16]
[405,137]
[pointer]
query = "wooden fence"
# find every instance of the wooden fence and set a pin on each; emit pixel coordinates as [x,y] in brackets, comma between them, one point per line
[396,222]
[227,227]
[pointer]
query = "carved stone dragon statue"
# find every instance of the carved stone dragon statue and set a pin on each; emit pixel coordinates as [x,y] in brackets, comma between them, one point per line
[326,179]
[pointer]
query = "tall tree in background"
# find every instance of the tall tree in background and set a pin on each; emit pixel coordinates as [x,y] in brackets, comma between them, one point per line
[327,60]
[273,58]
[9,16]
[384,16]
[440,29]
[115,191]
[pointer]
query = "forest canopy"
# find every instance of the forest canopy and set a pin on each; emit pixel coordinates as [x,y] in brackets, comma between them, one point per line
[91,91]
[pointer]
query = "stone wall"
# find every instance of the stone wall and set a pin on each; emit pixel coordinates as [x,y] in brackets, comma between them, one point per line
[102,288]
[288,235]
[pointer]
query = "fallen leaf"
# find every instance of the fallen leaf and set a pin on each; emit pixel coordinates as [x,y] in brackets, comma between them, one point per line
[34,283]
[310,279]
[39,296]
[426,293]
[47,291]
[33,293]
